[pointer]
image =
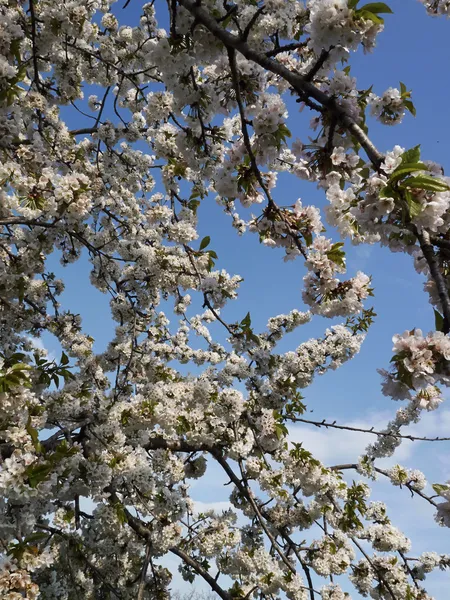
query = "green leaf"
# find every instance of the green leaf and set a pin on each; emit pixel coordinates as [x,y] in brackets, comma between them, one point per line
[284,131]
[64,359]
[439,321]
[405,169]
[246,321]
[409,593]
[425,182]
[410,106]
[366,15]
[439,488]
[352,3]
[121,515]
[193,205]
[403,88]
[20,367]
[414,207]
[205,242]
[227,19]
[388,192]
[281,430]
[35,537]
[336,254]
[37,474]
[33,433]
[377,8]
[412,155]
[281,134]
[307,236]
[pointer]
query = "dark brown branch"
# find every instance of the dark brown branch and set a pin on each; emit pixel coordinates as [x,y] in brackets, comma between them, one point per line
[83,131]
[433,264]
[297,81]
[319,64]
[252,22]
[33,44]
[247,143]
[335,425]
[248,147]
[202,572]
[286,48]
[439,242]
[379,575]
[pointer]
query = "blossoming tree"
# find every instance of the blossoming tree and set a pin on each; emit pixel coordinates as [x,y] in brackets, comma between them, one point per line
[177,114]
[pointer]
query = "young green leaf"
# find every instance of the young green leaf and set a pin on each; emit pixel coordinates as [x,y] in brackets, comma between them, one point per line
[439,321]
[410,106]
[411,156]
[425,182]
[414,207]
[369,16]
[377,8]
[246,321]
[205,242]
[406,169]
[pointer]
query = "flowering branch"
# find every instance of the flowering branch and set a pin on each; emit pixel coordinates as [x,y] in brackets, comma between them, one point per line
[372,431]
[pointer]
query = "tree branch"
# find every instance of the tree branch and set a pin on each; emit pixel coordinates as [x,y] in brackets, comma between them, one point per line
[252,21]
[202,572]
[410,486]
[141,530]
[298,82]
[430,257]
[372,431]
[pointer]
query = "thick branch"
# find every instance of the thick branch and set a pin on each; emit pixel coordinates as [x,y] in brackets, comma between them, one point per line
[286,48]
[156,443]
[433,264]
[298,82]
[202,572]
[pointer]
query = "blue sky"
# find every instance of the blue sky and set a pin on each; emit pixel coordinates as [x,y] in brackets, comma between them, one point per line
[415,49]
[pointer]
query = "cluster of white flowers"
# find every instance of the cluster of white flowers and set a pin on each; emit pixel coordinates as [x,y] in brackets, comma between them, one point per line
[333,23]
[333,592]
[332,555]
[401,476]
[389,108]
[387,538]
[427,399]
[269,114]
[16,583]
[323,292]
[419,362]
[437,7]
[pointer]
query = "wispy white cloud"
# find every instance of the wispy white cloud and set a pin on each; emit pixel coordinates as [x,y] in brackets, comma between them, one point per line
[335,446]
[39,345]
[218,507]
[360,257]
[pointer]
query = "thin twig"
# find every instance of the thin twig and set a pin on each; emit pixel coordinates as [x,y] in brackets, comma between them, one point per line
[372,431]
